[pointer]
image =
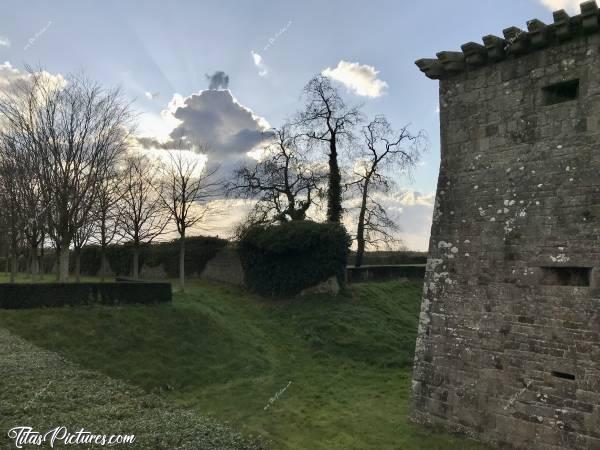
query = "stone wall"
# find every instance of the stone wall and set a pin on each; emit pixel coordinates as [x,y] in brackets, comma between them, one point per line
[225,267]
[509,335]
[385,272]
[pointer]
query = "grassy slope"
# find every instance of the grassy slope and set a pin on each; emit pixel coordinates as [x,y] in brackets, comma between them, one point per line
[225,353]
[42,390]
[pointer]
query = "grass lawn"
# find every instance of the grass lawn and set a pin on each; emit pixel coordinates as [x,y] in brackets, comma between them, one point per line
[226,354]
[42,390]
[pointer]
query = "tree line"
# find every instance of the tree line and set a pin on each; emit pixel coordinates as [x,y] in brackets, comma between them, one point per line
[69,176]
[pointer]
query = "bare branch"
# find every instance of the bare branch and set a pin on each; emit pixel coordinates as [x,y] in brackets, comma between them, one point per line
[284,182]
[384,152]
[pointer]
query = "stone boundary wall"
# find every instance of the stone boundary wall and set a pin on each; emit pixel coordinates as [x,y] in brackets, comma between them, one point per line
[225,267]
[384,273]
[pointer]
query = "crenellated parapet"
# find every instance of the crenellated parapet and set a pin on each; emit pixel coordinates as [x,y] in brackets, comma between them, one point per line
[516,42]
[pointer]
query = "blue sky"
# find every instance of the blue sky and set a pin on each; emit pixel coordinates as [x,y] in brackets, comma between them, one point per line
[168,47]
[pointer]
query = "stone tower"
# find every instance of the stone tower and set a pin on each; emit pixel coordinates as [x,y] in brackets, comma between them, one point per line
[509,336]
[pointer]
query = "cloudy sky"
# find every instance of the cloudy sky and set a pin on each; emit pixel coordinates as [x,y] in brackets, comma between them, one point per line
[259,55]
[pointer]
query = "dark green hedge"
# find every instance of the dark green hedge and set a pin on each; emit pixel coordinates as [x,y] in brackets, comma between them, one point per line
[35,295]
[281,260]
[198,251]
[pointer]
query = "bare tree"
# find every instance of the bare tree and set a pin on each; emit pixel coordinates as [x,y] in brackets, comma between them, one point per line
[73,132]
[284,182]
[383,151]
[327,120]
[24,191]
[34,225]
[4,245]
[82,235]
[186,187]
[11,213]
[142,215]
[106,211]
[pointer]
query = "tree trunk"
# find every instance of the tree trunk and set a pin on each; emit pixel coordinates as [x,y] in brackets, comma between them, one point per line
[63,264]
[14,266]
[57,263]
[360,228]
[136,262]
[334,191]
[103,262]
[78,265]
[360,251]
[182,261]
[14,254]
[41,265]
[35,263]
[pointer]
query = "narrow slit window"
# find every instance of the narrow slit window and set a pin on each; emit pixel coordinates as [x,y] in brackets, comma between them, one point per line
[563,375]
[566,276]
[561,92]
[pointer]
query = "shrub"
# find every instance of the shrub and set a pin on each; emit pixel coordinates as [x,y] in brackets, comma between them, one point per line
[281,260]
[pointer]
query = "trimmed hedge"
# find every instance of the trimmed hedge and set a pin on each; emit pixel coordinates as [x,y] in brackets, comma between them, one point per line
[36,295]
[198,251]
[282,260]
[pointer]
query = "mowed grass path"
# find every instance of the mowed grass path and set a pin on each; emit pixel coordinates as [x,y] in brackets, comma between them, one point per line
[226,354]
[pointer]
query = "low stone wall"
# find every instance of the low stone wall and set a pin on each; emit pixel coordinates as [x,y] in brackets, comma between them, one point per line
[384,273]
[225,267]
[153,272]
[36,295]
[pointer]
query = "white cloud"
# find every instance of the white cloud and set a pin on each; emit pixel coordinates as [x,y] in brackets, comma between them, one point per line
[151,95]
[4,42]
[154,130]
[229,212]
[210,117]
[571,6]
[359,78]
[412,211]
[11,77]
[216,118]
[260,65]
[413,198]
